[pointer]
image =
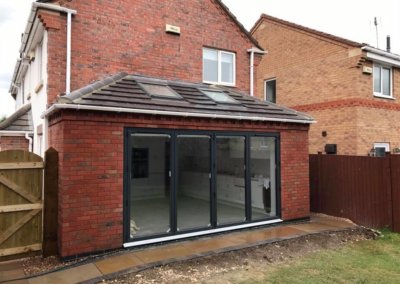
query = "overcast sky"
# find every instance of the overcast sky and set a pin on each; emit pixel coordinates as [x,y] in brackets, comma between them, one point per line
[351,19]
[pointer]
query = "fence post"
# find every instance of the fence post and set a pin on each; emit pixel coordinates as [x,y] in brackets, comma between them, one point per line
[50,206]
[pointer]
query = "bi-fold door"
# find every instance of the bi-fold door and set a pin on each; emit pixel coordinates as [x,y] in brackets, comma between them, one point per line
[179,183]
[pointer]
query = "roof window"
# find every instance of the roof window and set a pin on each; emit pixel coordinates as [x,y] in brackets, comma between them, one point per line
[161,91]
[219,96]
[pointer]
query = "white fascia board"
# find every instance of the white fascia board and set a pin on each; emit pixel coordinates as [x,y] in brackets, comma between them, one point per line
[14,133]
[382,56]
[382,59]
[54,107]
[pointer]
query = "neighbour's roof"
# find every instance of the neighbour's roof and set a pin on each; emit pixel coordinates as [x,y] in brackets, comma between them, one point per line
[21,120]
[305,29]
[131,92]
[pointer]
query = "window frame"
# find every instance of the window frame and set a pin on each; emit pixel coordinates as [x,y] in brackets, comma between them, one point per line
[219,71]
[380,94]
[265,89]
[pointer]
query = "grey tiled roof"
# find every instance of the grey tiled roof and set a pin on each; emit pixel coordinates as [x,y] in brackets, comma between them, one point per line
[125,92]
[21,120]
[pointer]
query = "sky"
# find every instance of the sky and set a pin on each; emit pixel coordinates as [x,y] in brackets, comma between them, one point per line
[351,19]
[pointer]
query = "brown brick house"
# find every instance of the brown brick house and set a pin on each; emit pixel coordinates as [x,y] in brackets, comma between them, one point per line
[147,104]
[351,89]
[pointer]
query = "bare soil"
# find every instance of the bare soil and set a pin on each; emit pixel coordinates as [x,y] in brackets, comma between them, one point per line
[236,266]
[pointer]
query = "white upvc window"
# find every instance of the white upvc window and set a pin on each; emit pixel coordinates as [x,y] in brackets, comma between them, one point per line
[219,67]
[382,81]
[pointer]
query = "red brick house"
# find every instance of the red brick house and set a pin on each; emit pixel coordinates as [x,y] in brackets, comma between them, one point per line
[147,104]
[351,89]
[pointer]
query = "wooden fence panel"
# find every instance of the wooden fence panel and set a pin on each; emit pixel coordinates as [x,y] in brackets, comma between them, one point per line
[354,187]
[21,175]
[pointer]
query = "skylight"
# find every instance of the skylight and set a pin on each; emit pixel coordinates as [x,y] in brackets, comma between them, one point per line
[160,91]
[219,97]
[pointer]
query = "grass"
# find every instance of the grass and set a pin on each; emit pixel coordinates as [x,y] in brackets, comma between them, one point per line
[365,262]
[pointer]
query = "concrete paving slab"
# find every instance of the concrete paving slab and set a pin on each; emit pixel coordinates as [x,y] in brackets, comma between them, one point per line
[334,223]
[314,227]
[117,263]
[268,234]
[202,246]
[162,253]
[72,275]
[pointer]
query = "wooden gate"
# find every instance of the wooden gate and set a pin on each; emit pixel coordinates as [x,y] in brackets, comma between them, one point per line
[21,178]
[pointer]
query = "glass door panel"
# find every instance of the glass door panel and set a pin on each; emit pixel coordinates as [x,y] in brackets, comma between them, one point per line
[230,187]
[149,185]
[263,177]
[193,182]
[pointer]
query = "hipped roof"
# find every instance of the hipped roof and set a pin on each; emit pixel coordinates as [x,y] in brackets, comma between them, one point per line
[126,93]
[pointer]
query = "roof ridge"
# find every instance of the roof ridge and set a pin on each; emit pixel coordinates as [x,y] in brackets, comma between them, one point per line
[306,29]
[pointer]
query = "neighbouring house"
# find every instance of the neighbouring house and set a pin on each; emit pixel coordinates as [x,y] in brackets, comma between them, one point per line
[351,89]
[148,105]
[16,132]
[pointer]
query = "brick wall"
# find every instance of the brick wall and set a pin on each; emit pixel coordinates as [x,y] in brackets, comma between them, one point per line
[91,166]
[110,37]
[13,143]
[324,78]
[377,125]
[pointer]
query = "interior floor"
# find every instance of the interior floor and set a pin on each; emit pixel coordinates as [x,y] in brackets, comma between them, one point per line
[151,216]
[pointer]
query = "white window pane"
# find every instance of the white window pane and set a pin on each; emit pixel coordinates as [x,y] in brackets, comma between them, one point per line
[377,79]
[210,65]
[227,67]
[210,54]
[386,81]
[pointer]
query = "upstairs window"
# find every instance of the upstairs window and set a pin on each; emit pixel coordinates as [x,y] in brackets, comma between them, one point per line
[382,81]
[270,90]
[218,67]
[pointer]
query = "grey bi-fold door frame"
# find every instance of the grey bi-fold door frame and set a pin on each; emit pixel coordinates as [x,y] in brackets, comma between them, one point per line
[173,179]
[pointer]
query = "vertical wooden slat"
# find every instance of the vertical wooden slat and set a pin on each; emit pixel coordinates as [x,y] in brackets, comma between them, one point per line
[395,179]
[50,211]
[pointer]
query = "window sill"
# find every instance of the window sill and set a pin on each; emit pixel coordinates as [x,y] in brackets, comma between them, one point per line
[220,83]
[384,97]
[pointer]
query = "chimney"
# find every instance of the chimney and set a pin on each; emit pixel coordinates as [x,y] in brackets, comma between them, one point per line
[388,43]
